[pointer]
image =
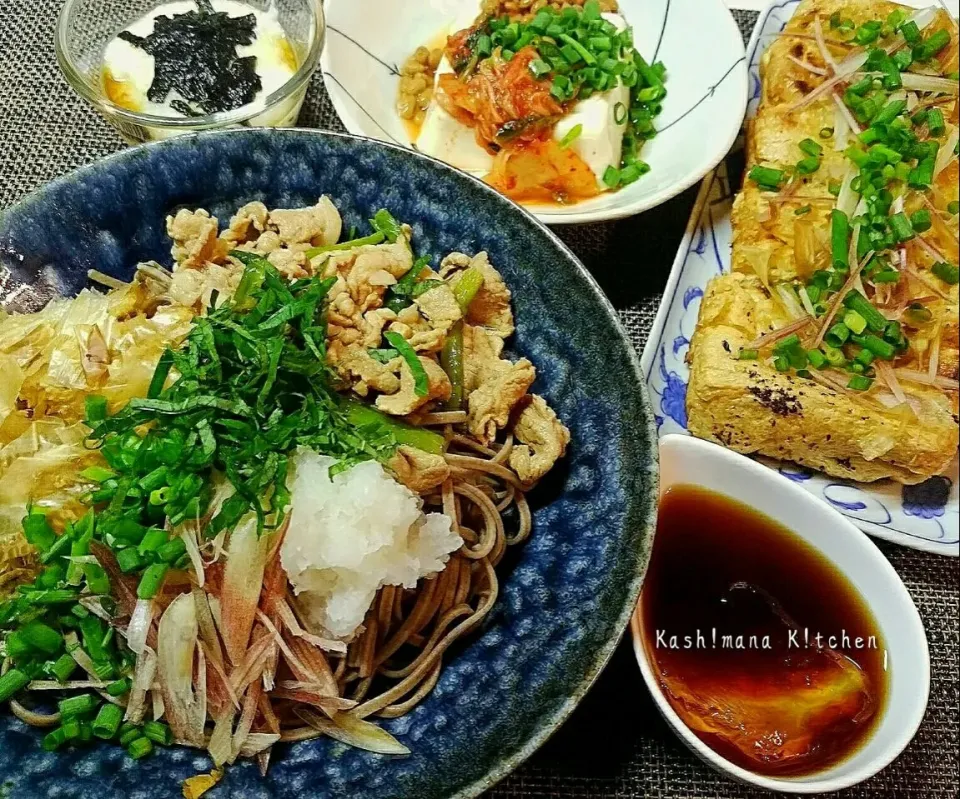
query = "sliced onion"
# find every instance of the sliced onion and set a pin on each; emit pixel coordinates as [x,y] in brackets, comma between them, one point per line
[95,606]
[188,534]
[220,746]
[806,65]
[821,90]
[143,677]
[913,376]
[828,58]
[257,742]
[775,335]
[250,703]
[32,717]
[208,627]
[69,685]
[889,377]
[848,198]
[929,83]
[852,63]
[790,302]
[242,581]
[139,626]
[945,155]
[805,299]
[176,645]
[158,708]
[841,124]
[354,732]
[81,658]
[289,619]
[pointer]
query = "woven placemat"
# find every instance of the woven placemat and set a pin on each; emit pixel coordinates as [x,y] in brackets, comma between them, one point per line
[615,745]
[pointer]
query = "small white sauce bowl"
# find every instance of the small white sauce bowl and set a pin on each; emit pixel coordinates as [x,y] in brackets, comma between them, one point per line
[687,460]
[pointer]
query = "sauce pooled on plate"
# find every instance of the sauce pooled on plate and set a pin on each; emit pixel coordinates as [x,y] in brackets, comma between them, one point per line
[762,648]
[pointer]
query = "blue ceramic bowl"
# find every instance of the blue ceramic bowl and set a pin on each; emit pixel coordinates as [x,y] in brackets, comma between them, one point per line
[567,594]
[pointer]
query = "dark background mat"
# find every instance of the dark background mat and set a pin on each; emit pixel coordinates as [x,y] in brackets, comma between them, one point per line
[615,744]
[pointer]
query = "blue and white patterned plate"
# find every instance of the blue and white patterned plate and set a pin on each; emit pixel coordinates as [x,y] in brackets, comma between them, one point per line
[925,516]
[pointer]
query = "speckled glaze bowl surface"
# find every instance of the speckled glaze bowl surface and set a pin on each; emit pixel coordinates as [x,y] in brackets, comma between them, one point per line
[567,594]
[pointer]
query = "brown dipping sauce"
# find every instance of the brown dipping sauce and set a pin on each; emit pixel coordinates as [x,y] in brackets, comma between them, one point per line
[731,608]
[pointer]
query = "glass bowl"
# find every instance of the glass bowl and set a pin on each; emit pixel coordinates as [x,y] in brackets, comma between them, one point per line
[85,27]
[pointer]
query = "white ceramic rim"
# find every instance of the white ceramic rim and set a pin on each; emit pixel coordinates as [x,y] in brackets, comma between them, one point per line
[796,785]
[737,74]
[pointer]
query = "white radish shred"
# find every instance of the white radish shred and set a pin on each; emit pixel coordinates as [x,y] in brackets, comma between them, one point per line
[841,125]
[847,115]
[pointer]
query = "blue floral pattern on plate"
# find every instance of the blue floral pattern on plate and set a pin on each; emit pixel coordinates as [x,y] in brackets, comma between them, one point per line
[926,516]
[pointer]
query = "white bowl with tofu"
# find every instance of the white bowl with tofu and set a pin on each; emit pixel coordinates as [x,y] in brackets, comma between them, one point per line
[567,154]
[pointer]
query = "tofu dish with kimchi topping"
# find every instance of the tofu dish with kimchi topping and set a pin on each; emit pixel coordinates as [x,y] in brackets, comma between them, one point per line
[257,498]
[551,105]
[834,342]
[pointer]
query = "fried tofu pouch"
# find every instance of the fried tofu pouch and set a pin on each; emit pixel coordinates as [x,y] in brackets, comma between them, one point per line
[769,239]
[750,407]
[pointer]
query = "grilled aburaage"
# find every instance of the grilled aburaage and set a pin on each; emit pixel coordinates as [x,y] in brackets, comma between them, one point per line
[834,342]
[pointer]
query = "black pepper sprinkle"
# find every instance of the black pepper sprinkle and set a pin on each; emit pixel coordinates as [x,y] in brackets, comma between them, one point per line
[777,400]
[195,55]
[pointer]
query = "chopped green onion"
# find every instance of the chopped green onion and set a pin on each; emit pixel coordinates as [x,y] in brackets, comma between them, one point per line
[948,273]
[809,165]
[611,177]
[10,683]
[582,51]
[158,733]
[840,239]
[803,210]
[932,46]
[936,124]
[63,667]
[118,687]
[810,147]
[43,637]
[108,721]
[539,68]
[129,560]
[76,705]
[748,355]
[859,383]
[152,580]
[875,320]
[139,748]
[767,178]
[817,359]
[901,227]
[876,345]
[834,355]
[402,346]
[921,220]
[826,133]
[855,322]
[837,335]
[571,135]
[953,207]
[129,733]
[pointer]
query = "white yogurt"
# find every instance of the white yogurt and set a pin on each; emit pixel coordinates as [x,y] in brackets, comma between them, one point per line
[132,70]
